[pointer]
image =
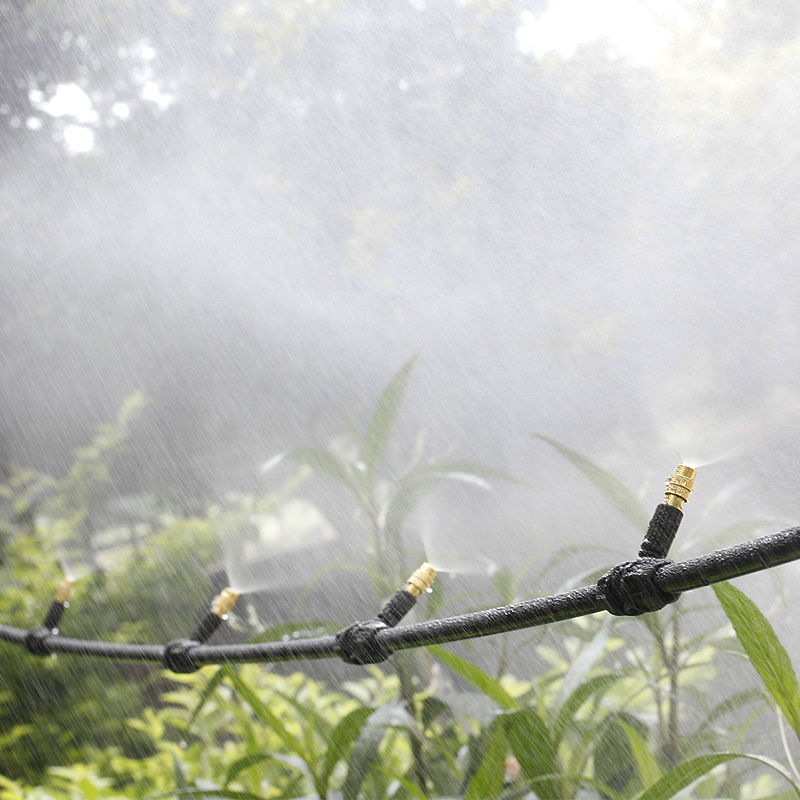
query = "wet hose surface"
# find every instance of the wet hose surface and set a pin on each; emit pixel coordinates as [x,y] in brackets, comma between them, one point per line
[652,581]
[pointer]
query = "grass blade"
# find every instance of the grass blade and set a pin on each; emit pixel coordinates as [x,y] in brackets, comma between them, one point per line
[364,754]
[689,771]
[622,498]
[488,778]
[534,748]
[476,676]
[210,688]
[764,649]
[260,709]
[345,732]
[383,418]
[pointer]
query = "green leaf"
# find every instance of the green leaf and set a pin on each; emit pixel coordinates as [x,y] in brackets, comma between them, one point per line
[614,759]
[263,713]
[689,771]
[363,755]
[490,686]
[487,782]
[210,688]
[180,777]
[622,498]
[534,748]
[645,760]
[596,685]
[241,764]
[411,788]
[764,649]
[346,730]
[322,461]
[383,418]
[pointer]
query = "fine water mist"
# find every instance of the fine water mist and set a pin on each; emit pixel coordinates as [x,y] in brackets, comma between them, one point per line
[585,233]
[262,551]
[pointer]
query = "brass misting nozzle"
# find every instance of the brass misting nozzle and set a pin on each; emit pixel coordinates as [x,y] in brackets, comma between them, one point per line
[679,486]
[64,591]
[224,602]
[421,580]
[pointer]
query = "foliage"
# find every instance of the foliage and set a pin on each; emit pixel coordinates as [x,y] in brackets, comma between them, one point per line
[52,709]
[618,709]
[250,733]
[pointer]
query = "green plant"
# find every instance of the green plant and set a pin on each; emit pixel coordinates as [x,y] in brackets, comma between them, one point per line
[384,504]
[52,709]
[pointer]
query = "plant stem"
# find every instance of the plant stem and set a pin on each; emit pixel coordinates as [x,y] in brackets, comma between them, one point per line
[672,746]
[405,672]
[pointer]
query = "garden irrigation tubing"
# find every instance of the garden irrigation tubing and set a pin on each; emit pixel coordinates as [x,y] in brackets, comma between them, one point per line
[631,588]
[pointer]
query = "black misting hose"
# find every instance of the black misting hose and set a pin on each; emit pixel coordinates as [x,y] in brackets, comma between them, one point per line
[628,589]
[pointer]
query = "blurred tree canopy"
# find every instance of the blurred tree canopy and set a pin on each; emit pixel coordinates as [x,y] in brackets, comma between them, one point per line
[374,149]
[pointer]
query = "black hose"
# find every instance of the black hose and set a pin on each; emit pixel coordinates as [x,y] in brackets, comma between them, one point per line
[651,581]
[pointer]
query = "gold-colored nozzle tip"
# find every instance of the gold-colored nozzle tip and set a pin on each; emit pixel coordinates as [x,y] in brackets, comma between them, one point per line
[421,580]
[224,602]
[679,486]
[64,591]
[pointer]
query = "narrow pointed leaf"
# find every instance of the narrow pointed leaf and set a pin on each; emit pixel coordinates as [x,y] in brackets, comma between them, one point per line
[210,688]
[180,777]
[241,764]
[487,782]
[764,649]
[689,771]
[322,461]
[262,711]
[593,686]
[622,498]
[534,748]
[383,418]
[490,686]
[345,732]
[363,755]
[645,760]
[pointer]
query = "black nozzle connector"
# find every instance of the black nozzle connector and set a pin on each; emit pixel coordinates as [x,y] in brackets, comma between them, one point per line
[54,614]
[661,531]
[397,607]
[206,626]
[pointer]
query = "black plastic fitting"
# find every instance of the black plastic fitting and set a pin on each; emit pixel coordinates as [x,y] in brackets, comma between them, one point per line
[358,644]
[54,614]
[630,589]
[178,656]
[206,626]
[38,641]
[397,607]
[661,531]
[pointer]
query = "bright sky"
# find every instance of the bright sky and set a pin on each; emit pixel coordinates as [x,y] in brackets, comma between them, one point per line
[77,110]
[631,25]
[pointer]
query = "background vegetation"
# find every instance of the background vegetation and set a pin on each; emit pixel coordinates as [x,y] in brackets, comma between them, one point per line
[617,709]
